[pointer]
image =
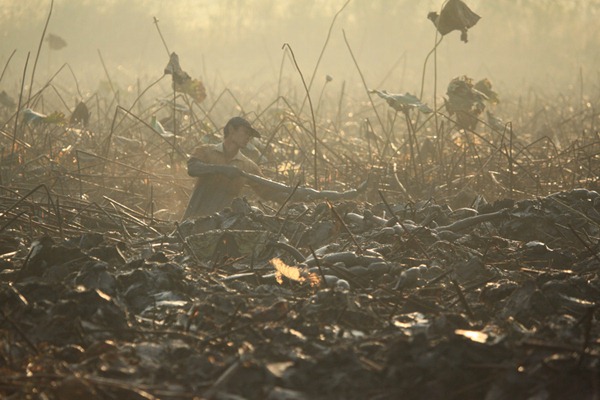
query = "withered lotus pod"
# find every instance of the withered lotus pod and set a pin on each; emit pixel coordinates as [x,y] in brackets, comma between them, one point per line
[81,114]
[183,82]
[173,68]
[455,15]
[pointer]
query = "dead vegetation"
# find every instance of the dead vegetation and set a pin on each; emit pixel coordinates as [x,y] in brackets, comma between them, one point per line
[469,269]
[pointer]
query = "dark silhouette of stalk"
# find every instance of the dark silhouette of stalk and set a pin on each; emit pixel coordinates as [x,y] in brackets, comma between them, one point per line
[312,78]
[389,208]
[110,134]
[413,143]
[280,75]
[112,88]
[174,93]
[318,264]
[341,221]
[287,199]
[388,134]
[75,79]
[39,50]
[31,192]
[6,65]
[592,251]
[79,174]
[435,115]
[338,118]
[14,141]
[327,80]
[463,299]
[312,113]
[172,145]
[510,160]
[13,219]
[114,125]
[20,332]
[161,36]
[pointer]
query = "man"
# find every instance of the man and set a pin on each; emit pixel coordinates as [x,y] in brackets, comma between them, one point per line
[223,171]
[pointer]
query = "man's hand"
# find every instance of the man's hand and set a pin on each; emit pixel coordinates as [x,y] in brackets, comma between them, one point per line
[197,168]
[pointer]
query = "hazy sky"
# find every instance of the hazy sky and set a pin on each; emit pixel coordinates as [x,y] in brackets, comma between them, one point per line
[237,44]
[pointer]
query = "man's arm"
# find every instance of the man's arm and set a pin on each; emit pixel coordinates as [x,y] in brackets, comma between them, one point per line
[197,167]
[276,191]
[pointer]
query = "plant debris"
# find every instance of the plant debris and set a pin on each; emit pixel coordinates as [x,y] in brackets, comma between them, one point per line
[455,16]
[183,82]
[467,100]
[467,266]
[512,299]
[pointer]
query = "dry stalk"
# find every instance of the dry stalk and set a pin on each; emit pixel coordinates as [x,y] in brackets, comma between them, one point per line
[312,113]
[7,63]
[37,55]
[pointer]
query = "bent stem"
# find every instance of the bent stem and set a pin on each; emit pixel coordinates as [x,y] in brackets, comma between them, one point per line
[39,50]
[413,143]
[6,65]
[14,141]
[312,78]
[425,64]
[312,113]
[364,82]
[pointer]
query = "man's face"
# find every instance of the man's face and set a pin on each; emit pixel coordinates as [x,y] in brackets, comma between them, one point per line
[241,136]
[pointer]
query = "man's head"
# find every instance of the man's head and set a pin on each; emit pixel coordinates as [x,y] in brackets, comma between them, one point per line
[236,124]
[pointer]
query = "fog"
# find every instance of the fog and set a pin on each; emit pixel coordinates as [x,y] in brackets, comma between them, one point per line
[549,46]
